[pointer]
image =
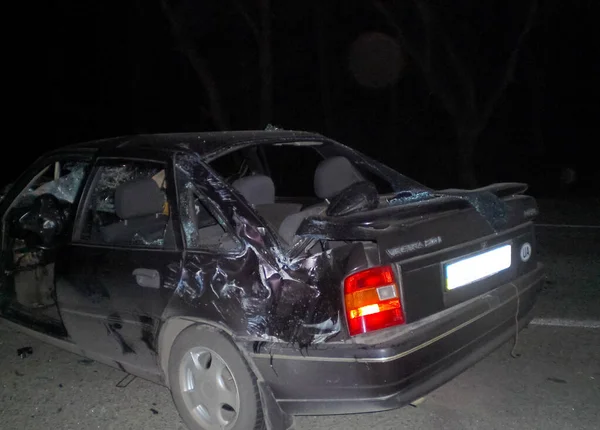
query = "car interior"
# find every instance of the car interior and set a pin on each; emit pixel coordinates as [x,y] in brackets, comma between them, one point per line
[32,267]
[331,176]
[201,228]
[129,207]
[139,204]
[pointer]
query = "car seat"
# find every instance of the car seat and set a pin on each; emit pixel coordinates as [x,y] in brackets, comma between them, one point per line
[139,205]
[332,176]
[259,191]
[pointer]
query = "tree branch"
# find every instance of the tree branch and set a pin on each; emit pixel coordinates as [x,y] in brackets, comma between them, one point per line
[424,63]
[265,64]
[201,68]
[511,64]
[468,86]
[320,40]
[249,21]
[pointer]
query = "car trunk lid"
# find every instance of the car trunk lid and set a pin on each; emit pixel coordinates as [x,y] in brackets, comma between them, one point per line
[420,239]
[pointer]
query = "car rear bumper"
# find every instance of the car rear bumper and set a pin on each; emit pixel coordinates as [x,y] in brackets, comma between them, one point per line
[401,364]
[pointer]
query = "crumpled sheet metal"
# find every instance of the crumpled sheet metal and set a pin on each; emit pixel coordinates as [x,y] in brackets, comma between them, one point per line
[256,291]
[298,306]
[263,294]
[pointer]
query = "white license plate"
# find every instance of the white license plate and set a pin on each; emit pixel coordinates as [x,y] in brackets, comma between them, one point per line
[480,266]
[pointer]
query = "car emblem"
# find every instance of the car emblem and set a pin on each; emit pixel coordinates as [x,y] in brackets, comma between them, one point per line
[525,251]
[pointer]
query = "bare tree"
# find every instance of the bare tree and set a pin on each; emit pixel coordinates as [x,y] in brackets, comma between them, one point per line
[261,32]
[439,63]
[324,81]
[185,43]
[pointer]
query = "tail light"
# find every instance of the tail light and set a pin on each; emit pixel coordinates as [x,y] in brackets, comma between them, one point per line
[372,300]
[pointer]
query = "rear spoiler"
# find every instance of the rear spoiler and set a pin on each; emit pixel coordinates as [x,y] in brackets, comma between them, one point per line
[368,225]
[502,189]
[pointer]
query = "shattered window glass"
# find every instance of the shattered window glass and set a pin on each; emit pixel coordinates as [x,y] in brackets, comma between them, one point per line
[203,226]
[128,205]
[60,179]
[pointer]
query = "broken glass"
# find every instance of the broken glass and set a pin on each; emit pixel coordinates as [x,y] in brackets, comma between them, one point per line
[67,185]
[60,179]
[203,226]
[110,177]
[102,223]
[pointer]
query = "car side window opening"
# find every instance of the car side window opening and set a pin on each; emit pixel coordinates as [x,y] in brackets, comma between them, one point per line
[32,265]
[297,180]
[292,169]
[128,205]
[203,227]
[383,186]
[231,166]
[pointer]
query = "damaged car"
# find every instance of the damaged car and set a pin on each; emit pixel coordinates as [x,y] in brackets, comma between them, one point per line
[264,274]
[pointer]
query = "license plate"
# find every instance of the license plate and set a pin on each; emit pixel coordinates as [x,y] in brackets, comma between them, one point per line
[471,269]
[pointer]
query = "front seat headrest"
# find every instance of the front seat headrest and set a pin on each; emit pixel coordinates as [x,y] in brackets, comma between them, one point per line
[137,198]
[333,175]
[257,189]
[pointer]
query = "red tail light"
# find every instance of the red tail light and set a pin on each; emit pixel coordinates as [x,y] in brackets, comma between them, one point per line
[372,300]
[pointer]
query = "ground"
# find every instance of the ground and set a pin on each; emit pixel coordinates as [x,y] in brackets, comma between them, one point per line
[553,384]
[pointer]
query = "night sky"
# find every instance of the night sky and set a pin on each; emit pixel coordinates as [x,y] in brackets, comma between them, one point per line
[104,68]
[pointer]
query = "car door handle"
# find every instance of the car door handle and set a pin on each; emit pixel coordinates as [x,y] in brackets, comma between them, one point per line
[147,278]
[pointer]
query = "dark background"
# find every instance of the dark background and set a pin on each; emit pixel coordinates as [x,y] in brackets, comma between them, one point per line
[349,69]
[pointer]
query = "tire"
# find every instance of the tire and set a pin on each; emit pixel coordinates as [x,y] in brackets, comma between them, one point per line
[198,356]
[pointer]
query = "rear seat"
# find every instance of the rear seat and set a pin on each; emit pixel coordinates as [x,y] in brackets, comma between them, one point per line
[259,191]
[332,176]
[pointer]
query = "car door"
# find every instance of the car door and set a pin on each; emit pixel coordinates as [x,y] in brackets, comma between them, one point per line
[119,268]
[228,260]
[28,263]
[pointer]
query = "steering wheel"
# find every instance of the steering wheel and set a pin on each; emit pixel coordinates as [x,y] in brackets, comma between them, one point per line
[45,219]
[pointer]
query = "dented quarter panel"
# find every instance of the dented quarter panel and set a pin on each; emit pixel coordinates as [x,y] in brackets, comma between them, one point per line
[259,292]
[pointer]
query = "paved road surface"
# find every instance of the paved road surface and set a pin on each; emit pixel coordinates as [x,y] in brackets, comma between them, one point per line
[555,384]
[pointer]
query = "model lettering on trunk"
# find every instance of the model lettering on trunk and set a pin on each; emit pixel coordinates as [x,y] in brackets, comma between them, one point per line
[421,244]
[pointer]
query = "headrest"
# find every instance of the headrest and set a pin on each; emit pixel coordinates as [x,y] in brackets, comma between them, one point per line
[138,198]
[257,189]
[334,175]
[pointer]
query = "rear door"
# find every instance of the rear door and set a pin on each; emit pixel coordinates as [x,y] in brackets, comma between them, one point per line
[115,282]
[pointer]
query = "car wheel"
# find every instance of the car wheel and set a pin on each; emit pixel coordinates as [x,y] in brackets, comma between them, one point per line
[211,383]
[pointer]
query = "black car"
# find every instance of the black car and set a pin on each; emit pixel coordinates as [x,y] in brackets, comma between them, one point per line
[264,274]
